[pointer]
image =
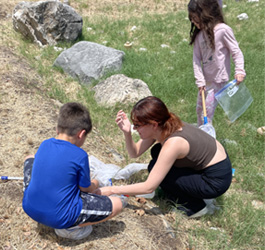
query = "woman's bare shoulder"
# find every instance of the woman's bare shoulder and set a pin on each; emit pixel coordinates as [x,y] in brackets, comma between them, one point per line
[177,144]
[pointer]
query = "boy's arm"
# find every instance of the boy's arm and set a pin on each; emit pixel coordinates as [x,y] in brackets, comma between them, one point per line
[94,185]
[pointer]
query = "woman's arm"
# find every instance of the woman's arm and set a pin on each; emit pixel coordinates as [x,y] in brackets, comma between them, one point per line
[237,55]
[173,149]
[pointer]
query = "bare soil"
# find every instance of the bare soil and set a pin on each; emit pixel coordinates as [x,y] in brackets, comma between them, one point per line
[28,116]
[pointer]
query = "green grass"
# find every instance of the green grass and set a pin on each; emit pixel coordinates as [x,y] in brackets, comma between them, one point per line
[169,75]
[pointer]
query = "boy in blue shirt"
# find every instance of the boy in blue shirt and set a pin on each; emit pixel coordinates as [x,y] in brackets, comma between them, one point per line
[58,191]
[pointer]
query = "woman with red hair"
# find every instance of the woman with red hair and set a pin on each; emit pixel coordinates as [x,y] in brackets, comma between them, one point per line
[190,166]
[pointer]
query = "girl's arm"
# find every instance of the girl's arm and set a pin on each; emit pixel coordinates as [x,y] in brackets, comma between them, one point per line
[173,149]
[197,68]
[134,149]
[237,55]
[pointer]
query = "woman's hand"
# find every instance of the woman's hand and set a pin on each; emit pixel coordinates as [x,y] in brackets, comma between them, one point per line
[239,78]
[123,122]
[104,191]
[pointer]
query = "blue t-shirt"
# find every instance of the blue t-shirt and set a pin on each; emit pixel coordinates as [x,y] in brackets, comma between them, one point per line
[52,197]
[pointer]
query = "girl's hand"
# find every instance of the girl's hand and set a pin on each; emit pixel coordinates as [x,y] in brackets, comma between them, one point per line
[239,78]
[201,89]
[123,122]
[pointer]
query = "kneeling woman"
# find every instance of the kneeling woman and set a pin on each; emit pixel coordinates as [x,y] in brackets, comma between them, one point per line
[189,165]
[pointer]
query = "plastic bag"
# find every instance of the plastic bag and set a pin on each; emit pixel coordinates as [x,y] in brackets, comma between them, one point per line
[103,172]
[234,99]
[209,129]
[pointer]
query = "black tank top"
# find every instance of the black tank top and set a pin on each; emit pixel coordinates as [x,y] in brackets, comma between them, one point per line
[202,147]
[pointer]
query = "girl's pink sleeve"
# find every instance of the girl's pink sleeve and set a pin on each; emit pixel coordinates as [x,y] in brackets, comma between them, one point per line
[237,55]
[197,68]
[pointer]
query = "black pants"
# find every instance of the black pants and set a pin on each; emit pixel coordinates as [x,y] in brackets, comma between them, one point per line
[189,187]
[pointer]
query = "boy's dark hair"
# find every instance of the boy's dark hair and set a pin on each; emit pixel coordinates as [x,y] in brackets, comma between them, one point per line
[73,117]
[209,13]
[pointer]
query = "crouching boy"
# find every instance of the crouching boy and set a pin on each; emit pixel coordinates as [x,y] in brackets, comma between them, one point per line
[58,191]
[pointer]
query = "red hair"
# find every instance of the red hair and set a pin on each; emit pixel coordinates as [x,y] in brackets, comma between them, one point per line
[151,109]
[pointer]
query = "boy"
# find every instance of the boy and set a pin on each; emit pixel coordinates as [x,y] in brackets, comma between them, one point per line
[58,191]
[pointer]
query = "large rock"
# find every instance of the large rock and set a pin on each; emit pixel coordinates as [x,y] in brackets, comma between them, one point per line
[120,89]
[88,61]
[47,22]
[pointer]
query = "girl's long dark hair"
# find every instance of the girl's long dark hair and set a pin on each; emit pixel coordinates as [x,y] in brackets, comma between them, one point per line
[209,14]
[151,109]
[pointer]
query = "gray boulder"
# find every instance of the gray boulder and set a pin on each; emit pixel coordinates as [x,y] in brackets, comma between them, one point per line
[120,89]
[88,61]
[47,22]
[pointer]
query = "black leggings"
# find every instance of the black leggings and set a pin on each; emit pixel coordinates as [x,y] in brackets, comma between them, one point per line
[189,187]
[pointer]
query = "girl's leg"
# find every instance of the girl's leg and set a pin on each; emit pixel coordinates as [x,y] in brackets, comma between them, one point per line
[211,104]
[210,101]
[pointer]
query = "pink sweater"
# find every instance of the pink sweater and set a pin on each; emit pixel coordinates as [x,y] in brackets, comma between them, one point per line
[214,66]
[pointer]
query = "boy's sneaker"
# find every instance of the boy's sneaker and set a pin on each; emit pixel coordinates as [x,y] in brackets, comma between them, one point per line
[124,199]
[75,233]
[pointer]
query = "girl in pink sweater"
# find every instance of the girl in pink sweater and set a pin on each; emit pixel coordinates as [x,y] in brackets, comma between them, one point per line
[214,43]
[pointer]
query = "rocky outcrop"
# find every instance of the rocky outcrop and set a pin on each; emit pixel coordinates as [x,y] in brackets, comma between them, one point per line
[47,22]
[120,89]
[88,61]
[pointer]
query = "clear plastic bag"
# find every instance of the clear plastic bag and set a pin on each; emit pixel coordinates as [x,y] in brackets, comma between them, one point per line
[209,129]
[234,99]
[103,172]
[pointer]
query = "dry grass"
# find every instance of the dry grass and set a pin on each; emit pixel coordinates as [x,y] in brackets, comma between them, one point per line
[124,9]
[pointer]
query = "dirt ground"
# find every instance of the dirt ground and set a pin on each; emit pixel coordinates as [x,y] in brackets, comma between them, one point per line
[28,117]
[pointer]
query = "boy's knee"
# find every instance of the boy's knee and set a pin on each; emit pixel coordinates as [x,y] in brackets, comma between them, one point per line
[116,205]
